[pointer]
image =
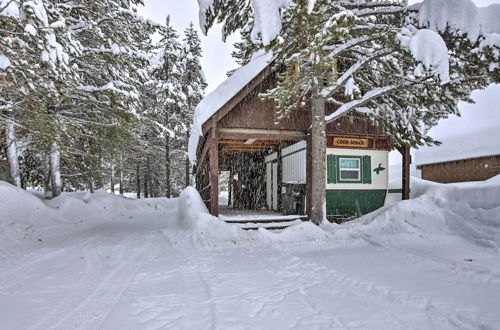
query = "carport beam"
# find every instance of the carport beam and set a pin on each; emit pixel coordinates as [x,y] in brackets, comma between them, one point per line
[214,178]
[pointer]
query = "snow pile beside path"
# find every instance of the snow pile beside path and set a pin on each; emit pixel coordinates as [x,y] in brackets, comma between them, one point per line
[306,231]
[26,219]
[194,217]
[470,211]
[18,205]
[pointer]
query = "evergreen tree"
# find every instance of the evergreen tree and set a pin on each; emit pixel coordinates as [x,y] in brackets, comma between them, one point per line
[70,75]
[166,84]
[193,85]
[34,48]
[112,66]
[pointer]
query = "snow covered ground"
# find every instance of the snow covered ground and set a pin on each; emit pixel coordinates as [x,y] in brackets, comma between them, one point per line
[100,261]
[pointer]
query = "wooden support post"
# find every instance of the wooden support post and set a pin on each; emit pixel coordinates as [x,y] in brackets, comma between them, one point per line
[308,174]
[280,179]
[214,177]
[230,187]
[405,151]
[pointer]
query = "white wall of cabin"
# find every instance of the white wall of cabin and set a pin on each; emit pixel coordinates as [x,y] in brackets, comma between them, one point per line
[294,163]
[380,181]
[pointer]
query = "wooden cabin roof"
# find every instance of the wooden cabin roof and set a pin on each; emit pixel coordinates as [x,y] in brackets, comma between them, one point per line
[246,116]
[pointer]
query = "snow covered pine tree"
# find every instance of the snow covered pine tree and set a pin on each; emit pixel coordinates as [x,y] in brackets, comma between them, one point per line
[166,73]
[193,84]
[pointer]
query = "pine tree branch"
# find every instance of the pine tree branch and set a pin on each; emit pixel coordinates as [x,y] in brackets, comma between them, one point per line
[328,91]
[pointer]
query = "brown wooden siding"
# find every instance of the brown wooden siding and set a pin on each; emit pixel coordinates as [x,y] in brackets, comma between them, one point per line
[472,169]
[252,112]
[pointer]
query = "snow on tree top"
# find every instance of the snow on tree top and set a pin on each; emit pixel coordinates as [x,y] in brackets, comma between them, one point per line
[485,142]
[222,94]
[461,15]
[429,49]
[9,8]
[267,20]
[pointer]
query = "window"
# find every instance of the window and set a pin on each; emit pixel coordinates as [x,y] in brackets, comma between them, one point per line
[350,169]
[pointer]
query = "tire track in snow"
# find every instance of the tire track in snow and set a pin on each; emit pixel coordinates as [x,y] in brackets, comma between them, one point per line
[196,284]
[87,285]
[292,284]
[457,268]
[26,272]
[91,312]
[149,257]
[440,311]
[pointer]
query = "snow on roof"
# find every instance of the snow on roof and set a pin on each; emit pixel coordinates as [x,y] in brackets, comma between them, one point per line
[485,142]
[222,94]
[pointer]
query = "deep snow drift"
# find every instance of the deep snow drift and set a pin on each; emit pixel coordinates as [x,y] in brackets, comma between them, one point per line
[87,261]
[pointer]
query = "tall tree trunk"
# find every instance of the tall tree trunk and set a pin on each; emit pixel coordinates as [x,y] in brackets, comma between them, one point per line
[188,167]
[167,166]
[138,180]
[150,179]
[146,180]
[405,152]
[318,146]
[187,183]
[46,174]
[12,156]
[55,174]
[113,179]
[121,173]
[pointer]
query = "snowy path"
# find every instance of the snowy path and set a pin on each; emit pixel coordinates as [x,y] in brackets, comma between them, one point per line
[137,275]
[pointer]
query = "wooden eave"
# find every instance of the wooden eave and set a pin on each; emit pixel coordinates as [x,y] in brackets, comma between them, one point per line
[236,99]
[226,108]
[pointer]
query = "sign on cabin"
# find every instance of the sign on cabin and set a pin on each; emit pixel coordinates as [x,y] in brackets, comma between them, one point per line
[350,142]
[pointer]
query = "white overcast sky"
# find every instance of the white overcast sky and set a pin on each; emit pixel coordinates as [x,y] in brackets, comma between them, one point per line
[217,61]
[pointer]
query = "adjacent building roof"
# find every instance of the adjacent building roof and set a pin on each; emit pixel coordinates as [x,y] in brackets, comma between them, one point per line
[485,142]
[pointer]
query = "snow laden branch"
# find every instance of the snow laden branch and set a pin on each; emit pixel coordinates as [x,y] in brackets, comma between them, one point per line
[328,91]
[367,97]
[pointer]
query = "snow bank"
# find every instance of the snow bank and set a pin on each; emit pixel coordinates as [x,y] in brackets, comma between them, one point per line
[222,94]
[306,231]
[26,219]
[195,218]
[437,212]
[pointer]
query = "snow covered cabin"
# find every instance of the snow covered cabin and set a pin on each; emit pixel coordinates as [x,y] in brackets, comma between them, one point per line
[234,130]
[474,156]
